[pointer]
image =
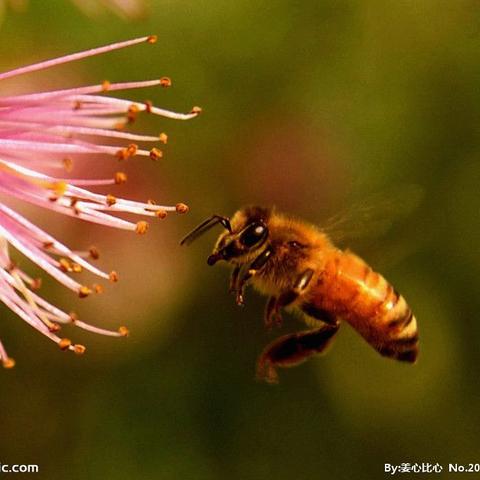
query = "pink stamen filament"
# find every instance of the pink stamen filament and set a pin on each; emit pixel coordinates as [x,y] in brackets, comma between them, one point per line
[72,57]
[32,98]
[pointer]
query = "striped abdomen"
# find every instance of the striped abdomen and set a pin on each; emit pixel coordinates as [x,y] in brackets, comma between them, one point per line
[350,289]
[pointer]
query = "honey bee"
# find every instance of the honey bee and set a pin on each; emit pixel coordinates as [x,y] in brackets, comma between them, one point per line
[297,266]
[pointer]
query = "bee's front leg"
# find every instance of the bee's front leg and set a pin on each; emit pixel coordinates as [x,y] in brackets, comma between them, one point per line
[245,274]
[234,279]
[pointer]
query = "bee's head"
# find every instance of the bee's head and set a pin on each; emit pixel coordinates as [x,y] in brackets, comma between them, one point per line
[244,235]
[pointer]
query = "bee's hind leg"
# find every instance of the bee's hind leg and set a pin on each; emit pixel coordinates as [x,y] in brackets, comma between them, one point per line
[293,349]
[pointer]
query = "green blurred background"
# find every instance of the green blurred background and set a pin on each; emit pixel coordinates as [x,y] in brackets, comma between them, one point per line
[312,106]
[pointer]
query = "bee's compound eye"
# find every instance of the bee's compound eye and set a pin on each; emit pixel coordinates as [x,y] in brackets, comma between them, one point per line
[253,234]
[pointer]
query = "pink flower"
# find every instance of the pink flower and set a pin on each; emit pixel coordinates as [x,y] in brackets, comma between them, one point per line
[46,130]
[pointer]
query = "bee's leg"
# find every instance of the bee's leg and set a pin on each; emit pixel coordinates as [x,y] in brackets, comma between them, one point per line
[293,349]
[245,275]
[272,315]
[234,279]
[275,304]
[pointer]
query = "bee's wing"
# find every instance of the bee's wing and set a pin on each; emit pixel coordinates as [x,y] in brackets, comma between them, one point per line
[373,216]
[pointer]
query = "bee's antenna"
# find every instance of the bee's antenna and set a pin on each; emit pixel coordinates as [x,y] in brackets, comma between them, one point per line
[205,226]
